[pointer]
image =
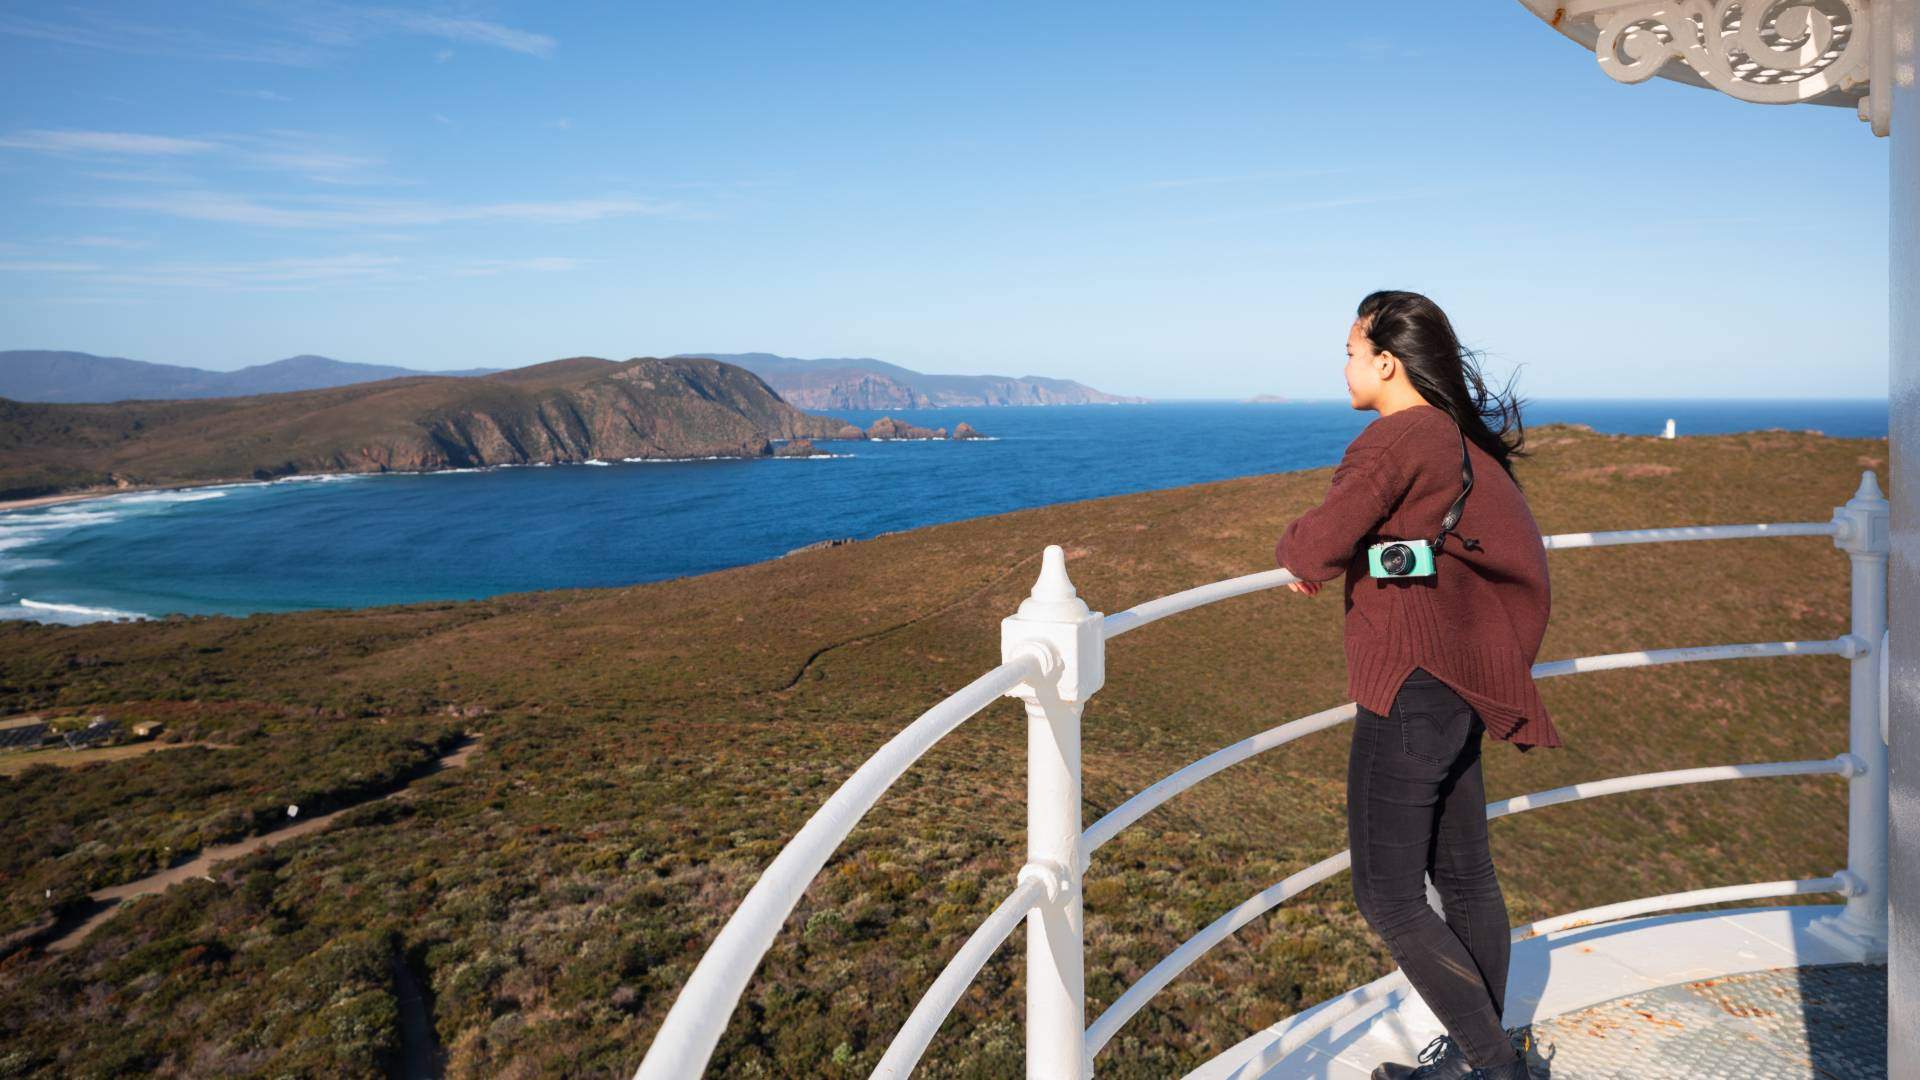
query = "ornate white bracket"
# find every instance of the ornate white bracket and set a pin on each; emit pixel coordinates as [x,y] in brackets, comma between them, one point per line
[1772,52]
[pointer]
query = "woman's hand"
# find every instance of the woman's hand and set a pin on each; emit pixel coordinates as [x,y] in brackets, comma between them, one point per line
[1305,588]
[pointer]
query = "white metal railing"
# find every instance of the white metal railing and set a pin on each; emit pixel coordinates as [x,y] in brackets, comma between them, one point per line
[1054,650]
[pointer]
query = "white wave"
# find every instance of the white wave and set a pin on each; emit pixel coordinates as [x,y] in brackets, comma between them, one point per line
[595,461]
[56,518]
[153,498]
[665,460]
[65,614]
[318,478]
[39,525]
[810,457]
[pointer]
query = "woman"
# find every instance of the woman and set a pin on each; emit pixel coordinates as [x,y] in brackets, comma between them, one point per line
[1434,662]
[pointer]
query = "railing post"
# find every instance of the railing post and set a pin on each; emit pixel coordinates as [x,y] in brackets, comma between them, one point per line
[1862,530]
[1056,624]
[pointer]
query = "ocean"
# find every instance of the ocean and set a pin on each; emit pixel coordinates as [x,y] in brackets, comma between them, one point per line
[344,542]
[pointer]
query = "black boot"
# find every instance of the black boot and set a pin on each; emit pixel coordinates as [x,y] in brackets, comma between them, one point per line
[1539,1066]
[1440,1060]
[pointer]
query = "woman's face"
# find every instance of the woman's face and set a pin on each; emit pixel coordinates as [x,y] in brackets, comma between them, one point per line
[1363,376]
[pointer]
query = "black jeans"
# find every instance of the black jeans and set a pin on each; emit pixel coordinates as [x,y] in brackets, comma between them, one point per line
[1416,806]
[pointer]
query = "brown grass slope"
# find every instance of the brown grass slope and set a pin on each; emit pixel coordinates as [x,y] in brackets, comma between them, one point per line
[649,750]
[567,410]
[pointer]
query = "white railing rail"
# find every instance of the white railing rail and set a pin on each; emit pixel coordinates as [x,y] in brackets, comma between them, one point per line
[700,1013]
[1054,650]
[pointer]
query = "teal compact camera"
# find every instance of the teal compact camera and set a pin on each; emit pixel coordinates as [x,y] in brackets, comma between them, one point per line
[1400,558]
[1414,558]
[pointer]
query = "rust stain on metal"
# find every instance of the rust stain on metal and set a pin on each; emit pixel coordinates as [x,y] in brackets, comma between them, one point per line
[1660,1021]
[1731,1008]
[1559,16]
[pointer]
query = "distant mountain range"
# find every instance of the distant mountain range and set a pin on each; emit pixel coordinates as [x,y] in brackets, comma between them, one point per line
[33,375]
[875,384]
[565,411]
[70,377]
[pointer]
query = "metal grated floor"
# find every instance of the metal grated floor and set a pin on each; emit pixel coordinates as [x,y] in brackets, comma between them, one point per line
[1818,1023]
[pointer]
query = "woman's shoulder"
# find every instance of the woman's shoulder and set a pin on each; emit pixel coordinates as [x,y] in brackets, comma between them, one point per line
[1419,422]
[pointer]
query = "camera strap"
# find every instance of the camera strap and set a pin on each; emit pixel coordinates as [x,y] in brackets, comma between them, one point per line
[1453,512]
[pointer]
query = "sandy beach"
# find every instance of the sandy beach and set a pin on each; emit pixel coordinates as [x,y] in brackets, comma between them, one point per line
[51,500]
[101,493]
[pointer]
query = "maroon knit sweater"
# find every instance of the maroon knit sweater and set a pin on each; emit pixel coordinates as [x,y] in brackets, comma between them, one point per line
[1477,623]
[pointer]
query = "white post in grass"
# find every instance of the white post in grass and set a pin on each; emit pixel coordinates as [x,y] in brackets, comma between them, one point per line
[1055,623]
[1863,532]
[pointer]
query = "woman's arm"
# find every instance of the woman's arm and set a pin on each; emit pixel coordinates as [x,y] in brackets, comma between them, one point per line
[1320,543]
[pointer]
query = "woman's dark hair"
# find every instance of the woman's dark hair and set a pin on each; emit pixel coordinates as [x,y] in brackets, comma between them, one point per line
[1446,373]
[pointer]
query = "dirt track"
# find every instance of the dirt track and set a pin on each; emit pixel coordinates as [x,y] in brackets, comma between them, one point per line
[107,901]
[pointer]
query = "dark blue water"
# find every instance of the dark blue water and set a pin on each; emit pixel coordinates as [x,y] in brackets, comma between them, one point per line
[357,541]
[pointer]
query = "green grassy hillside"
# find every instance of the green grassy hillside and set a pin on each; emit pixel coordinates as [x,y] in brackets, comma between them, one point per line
[648,750]
[567,410]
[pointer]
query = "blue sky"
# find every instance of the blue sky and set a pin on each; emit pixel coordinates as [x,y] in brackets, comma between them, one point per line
[1170,200]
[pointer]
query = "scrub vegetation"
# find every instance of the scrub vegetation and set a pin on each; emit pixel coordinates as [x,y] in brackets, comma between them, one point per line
[647,750]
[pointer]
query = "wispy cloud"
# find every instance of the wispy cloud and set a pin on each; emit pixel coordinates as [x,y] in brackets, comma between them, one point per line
[548,264]
[99,242]
[141,176]
[317,157]
[269,273]
[259,95]
[1243,178]
[476,31]
[104,142]
[264,275]
[89,300]
[316,213]
[46,267]
[280,274]
[303,35]
[109,33]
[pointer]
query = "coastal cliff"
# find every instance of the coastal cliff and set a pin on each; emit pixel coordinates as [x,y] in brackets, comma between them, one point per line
[571,410]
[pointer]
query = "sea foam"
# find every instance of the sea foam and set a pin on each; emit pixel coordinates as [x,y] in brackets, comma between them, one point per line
[65,614]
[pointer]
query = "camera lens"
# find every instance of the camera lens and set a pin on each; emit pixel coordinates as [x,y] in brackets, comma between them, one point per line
[1396,559]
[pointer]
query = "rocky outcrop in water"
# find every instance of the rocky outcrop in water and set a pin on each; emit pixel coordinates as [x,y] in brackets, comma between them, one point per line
[888,428]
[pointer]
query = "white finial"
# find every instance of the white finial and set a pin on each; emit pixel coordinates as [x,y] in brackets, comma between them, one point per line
[1053,595]
[1869,486]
